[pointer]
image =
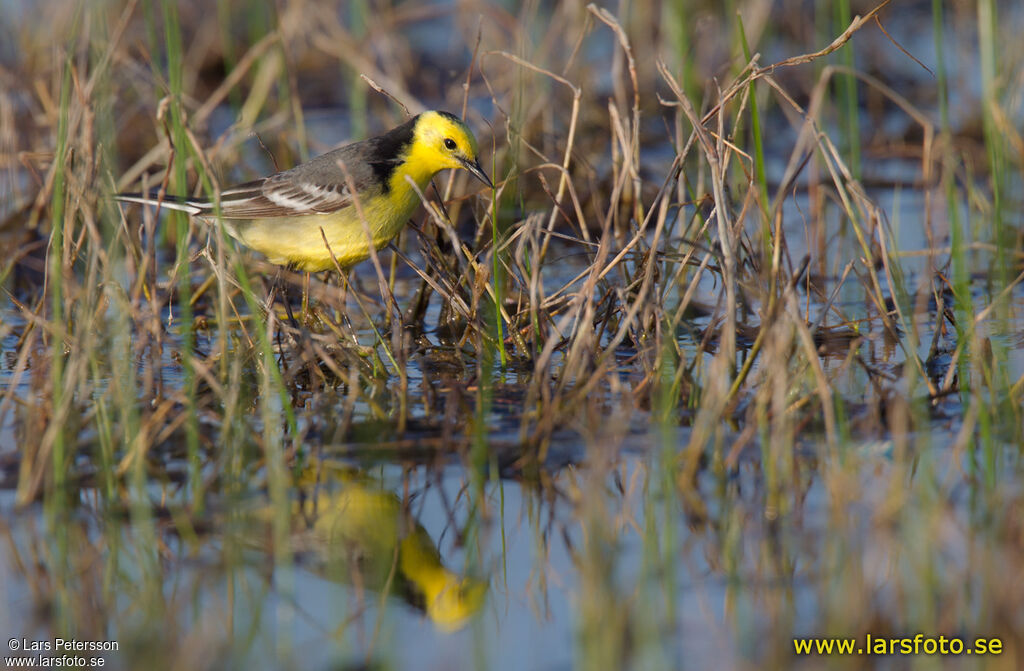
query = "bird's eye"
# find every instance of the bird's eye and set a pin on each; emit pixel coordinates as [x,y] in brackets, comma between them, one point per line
[449,143]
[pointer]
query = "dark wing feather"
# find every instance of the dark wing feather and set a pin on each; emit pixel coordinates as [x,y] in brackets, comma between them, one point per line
[319,186]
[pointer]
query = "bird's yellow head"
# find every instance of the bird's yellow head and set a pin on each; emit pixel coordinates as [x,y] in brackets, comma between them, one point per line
[441,140]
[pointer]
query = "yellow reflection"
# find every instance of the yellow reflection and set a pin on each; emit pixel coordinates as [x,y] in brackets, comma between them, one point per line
[356,524]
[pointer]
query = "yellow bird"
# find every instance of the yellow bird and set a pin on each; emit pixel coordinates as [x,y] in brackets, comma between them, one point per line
[362,534]
[288,215]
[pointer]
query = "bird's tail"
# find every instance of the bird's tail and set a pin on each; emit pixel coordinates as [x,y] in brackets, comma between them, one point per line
[189,205]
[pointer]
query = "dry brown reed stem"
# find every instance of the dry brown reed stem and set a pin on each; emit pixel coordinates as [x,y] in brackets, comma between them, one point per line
[970,332]
[448,293]
[467,260]
[887,267]
[927,143]
[631,146]
[580,218]
[640,299]
[856,24]
[811,355]
[660,205]
[852,196]
[859,207]
[224,279]
[750,73]
[563,180]
[713,154]
[1016,391]
[578,359]
[526,234]
[384,92]
[717,157]
[1007,127]
[827,305]
[538,389]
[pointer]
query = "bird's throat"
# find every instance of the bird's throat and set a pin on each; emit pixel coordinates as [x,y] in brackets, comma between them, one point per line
[420,165]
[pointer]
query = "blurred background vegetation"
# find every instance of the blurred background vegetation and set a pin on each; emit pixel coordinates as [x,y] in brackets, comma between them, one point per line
[733,353]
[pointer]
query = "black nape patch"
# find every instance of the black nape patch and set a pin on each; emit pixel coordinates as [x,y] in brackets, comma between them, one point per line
[387,150]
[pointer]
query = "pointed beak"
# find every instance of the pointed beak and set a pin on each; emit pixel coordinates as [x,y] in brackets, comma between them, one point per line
[474,168]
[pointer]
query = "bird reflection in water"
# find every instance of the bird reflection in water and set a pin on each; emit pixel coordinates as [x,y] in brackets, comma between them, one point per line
[357,531]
